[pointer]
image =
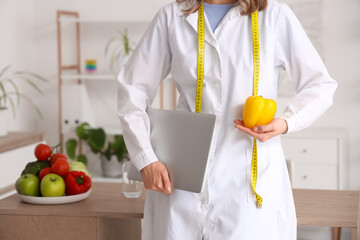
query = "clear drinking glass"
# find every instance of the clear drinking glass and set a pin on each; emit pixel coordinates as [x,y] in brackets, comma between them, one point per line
[131,188]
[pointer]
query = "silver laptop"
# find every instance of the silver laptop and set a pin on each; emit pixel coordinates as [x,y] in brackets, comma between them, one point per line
[181,140]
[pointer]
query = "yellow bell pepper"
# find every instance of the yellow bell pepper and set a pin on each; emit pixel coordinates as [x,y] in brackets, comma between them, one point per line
[258,111]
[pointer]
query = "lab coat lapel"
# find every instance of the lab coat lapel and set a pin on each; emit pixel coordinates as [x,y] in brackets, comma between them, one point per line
[192,19]
[233,13]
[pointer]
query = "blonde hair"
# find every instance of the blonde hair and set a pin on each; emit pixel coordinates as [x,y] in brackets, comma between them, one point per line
[248,6]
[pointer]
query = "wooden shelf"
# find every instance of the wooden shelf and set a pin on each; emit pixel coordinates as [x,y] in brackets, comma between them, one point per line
[7,191]
[19,139]
[88,77]
[109,130]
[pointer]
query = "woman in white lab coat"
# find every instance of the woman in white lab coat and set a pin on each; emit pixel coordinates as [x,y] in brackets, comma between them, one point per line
[226,209]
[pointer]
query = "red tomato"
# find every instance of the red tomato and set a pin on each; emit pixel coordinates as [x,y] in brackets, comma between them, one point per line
[56,156]
[60,167]
[45,171]
[42,152]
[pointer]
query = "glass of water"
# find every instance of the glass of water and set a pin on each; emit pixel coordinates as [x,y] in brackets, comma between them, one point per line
[131,188]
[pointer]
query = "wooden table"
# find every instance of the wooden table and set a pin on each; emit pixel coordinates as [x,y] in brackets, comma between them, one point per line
[105,215]
[329,208]
[108,215]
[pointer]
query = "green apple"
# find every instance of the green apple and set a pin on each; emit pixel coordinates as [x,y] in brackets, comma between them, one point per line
[52,185]
[28,184]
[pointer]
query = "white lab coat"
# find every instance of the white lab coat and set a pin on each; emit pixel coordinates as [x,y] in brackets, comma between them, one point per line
[226,209]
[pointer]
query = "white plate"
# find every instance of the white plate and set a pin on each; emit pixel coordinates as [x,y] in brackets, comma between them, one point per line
[55,200]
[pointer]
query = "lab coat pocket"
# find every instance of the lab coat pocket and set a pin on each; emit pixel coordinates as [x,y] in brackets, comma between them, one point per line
[269,174]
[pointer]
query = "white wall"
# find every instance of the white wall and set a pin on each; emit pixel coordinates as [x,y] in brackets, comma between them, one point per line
[18,49]
[28,39]
[342,57]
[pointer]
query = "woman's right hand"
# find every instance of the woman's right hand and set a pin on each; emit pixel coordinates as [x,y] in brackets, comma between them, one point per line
[156,177]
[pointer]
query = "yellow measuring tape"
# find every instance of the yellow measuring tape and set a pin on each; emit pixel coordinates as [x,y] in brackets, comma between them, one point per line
[200,66]
[256,59]
[200,76]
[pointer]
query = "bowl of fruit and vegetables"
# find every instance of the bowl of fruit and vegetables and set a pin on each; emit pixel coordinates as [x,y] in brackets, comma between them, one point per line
[53,179]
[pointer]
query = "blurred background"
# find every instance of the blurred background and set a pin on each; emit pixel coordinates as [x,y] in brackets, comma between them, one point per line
[97,41]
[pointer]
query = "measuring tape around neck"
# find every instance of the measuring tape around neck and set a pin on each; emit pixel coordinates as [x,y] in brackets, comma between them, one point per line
[201,52]
[256,63]
[200,77]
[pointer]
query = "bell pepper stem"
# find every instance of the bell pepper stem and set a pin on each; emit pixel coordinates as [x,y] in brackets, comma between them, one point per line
[80,180]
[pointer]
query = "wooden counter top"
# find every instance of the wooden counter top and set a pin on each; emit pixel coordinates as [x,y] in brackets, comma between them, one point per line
[313,207]
[331,208]
[19,139]
[106,200]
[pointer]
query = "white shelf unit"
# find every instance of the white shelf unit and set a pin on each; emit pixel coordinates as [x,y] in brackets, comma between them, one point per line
[74,102]
[100,77]
[76,106]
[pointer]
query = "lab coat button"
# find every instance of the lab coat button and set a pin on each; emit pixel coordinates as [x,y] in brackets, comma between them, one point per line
[203,201]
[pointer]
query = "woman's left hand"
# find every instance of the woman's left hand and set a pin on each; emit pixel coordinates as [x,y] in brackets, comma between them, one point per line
[264,132]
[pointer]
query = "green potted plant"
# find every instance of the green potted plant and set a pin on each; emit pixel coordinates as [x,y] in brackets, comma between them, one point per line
[112,152]
[10,94]
[119,47]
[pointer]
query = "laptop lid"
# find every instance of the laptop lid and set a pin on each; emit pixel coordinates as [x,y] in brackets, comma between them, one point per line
[181,140]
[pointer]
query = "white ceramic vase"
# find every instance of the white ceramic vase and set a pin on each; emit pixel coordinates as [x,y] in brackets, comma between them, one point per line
[3,124]
[111,168]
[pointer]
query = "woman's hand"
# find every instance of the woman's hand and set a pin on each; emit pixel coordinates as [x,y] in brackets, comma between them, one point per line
[264,132]
[156,177]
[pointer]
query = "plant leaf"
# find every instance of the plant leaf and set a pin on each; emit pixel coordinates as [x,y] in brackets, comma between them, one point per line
[116,50]
[82,158]
[34,75]
[4,70]
[16,90]
[107,153]
[119,147]
[4,96]
[33,104]
[110,42]
[71,145]
[12,107]
[126,42]
[97,138]
[120,154]
[118,143]
[82,130]
[115,57]
[30,82]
